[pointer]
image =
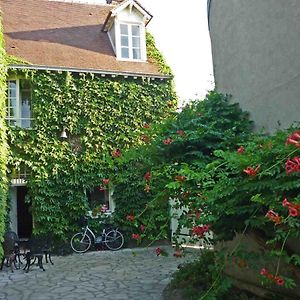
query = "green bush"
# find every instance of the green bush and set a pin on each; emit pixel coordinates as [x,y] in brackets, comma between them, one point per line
[180,146]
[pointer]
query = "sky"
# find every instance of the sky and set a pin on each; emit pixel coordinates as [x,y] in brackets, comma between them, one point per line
[181,33]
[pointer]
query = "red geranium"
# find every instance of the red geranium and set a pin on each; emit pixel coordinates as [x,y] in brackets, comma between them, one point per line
[106,181]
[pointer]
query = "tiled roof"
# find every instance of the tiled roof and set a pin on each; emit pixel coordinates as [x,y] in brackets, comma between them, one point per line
[65,35]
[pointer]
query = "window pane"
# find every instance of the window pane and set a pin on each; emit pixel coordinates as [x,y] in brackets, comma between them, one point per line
[13,102]
[12,92]
[25,123]
[11,99]
[12,84]
[136,42]
[124,29]
[136,53]
[124,41]
[125,52]
[25,104]
[135,30]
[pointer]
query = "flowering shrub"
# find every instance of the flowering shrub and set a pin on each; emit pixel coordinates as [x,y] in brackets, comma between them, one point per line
[147,177]
[253,204]
[225,180]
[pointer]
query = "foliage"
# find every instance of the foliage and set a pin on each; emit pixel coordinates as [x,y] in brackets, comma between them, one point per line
[221,178]
[187,138]
[254,201]
[193,279]
[155,56]
[100,115]
[3,142]
[254,190]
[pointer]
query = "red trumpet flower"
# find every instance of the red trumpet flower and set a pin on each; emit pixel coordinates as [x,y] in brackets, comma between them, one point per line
[250,171]
[294,139]
[292,165]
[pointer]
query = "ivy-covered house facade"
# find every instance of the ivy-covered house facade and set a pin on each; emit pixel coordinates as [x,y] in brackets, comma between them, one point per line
[82,80]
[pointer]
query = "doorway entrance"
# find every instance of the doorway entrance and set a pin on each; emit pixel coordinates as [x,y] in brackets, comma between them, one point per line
[24,216]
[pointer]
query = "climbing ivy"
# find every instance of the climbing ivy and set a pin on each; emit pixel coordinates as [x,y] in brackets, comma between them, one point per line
[155,56]
[3,145]
[100,115]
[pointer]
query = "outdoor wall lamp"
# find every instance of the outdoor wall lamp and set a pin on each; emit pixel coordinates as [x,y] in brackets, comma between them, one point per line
[63,134]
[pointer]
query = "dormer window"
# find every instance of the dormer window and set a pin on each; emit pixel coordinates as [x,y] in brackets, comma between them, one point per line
[130,41]
[125,26]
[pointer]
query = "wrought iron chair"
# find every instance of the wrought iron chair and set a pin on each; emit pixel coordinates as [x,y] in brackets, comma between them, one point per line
[11,250]
[38,248]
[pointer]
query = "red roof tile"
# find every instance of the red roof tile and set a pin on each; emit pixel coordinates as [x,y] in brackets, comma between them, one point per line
[61,34]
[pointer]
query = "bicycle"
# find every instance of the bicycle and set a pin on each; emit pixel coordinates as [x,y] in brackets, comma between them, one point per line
[110,237]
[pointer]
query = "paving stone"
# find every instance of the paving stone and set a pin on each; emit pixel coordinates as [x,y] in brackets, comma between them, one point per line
[95,275]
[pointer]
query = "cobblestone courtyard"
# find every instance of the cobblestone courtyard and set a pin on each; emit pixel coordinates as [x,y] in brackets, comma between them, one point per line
[135,274]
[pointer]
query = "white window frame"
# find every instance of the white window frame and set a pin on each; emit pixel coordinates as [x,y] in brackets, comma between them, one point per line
[130,46]
[17,118]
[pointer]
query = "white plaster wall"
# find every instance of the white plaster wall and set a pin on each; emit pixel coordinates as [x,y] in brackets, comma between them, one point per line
[255,47]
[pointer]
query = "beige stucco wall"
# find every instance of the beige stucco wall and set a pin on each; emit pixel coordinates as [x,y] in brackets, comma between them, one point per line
[256,57]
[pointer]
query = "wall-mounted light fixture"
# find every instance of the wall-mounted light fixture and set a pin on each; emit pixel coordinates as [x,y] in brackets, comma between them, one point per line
[63,134]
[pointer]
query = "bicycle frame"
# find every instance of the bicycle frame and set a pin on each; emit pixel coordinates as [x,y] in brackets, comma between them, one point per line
[86,230]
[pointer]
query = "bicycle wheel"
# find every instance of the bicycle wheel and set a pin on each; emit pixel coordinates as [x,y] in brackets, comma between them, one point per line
[80,243]
[114,240]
